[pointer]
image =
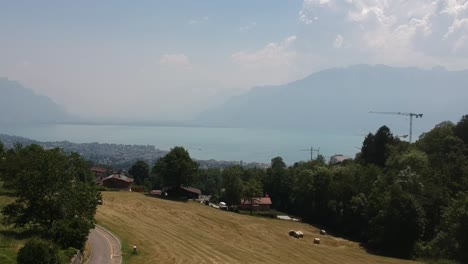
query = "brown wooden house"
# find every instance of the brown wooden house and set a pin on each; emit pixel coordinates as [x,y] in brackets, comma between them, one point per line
[117,181]
[259,204]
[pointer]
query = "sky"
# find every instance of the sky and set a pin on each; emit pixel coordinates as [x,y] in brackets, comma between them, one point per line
[170,60]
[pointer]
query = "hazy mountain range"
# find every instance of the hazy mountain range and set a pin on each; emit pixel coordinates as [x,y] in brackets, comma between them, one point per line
[21,105]
[341,98]
[337,99]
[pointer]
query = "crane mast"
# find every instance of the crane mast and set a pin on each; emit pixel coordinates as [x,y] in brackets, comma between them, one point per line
[411,115]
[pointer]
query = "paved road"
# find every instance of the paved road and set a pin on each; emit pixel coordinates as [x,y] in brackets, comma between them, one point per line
[105,247]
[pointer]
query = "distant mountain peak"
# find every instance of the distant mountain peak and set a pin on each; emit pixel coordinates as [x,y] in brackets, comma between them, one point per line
[340,98]
[20,105]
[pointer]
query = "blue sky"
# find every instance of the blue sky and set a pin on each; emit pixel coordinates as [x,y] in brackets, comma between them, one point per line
[150,57]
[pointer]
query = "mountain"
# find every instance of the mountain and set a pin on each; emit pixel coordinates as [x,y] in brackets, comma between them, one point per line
[19,105]
[341,98]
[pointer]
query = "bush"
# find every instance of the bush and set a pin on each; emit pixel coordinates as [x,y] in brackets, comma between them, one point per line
[37,251]
[70,233]
[66,255]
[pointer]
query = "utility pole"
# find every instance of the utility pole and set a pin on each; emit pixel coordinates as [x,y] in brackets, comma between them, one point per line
[312,150]
[404,114]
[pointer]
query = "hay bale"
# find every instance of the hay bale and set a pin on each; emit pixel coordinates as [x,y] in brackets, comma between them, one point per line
[316,240]
[296,234]
[300,233]
[323,232]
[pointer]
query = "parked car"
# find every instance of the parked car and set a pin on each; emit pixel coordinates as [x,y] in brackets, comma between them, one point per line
[223,206]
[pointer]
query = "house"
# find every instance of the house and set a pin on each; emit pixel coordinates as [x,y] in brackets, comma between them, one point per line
[335,159]
[117,181]
[155,192]
[259,204]
[185,192]
[99,171]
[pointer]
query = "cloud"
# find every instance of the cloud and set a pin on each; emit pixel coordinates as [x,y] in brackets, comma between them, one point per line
[338,41]
[194,21]
[247,27]
[429,27]
[175,60]
[274,54]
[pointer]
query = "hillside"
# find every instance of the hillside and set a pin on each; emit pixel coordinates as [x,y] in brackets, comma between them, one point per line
[175,232]
[19,105]
[341,98]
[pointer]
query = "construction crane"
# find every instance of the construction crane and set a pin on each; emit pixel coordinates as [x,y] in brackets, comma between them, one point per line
[312,152]
[403,114]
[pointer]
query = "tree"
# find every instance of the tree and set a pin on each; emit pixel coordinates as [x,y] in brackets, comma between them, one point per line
[176,168]
[70,233]
[232,183]
[251,191]
[278,184]
[374,148]
[320,158]
[37,251]
[398,224]
[452,239]
[461,129]
[48,188]
[139,171]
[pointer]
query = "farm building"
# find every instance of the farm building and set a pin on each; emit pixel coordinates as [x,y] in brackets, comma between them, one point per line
[259,204]
[185,192]
[117,181]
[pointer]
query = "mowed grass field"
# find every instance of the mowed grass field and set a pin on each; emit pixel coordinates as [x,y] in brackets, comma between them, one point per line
[176,232]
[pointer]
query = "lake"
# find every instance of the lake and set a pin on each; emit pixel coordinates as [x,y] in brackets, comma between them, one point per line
[246,144]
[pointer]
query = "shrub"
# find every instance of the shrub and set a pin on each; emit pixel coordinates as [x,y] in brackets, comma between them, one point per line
[70,233]
[37,251]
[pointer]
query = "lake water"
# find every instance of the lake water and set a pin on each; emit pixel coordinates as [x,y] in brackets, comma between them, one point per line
[246,144]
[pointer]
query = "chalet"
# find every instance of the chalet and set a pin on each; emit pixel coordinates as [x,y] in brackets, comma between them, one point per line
[117,181]
[99,171]
[259,204]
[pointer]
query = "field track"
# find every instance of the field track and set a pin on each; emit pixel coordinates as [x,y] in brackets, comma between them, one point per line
[176,232]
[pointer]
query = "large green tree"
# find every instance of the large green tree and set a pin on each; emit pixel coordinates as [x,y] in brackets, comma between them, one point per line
[49,186]
[251,190]
[278,184]
[375,147]
[139,171]
[232,183]
[176,168]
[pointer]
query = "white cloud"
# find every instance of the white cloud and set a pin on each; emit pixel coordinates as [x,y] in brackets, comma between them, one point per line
[274,54]
[247,27]
[338,41]
[194,21]
[396,27]
[275,63]
[175,60]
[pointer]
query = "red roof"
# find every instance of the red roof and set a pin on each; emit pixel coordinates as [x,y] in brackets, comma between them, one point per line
[258,201]
[98,169]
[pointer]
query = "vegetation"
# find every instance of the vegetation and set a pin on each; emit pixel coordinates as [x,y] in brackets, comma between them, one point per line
[398,199]
[139,171]
[174,232]
[176,168]
[54,197]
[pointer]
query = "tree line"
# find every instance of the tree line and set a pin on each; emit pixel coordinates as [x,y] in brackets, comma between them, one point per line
[399,199]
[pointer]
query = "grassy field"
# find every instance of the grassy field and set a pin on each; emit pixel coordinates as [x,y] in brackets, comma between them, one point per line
[176,232]
[10,239]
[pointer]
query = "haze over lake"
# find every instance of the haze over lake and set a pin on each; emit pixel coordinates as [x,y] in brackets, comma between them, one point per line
[249,145]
